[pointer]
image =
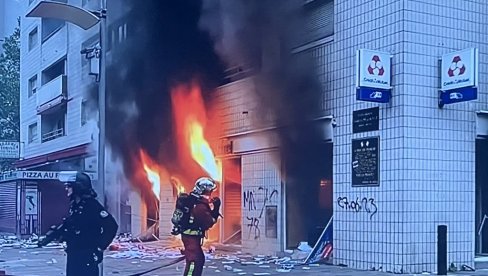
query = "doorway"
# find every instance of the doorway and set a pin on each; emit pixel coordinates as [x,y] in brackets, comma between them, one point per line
[481,209]
[231,194]
[309,198]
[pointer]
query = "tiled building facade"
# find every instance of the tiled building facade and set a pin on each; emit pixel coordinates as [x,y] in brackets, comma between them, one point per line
[428,155]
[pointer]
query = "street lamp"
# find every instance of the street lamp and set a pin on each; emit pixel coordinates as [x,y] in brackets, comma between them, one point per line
[85,19]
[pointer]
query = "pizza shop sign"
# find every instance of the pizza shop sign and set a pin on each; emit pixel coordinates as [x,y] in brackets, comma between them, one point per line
[45,175]
[38,175]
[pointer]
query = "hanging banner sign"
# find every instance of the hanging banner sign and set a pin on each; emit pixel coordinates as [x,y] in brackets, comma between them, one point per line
[459,77]
[373,76]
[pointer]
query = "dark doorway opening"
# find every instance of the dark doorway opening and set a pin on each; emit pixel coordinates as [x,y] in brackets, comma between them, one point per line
[309,198]
[481,209]
[54,203]
[231,193]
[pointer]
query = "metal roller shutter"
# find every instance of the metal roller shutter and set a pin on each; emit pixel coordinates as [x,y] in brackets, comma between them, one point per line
[232,210]
[8,192]
[320,20]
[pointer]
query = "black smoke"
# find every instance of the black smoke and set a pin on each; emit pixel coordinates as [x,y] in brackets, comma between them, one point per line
[171,42]
[265,35]
[164,47]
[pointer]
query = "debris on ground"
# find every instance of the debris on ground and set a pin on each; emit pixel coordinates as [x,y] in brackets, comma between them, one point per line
[219,257]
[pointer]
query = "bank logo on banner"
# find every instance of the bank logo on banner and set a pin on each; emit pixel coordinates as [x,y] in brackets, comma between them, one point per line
[373,76]
[376,67]
[459,77]
[457,67]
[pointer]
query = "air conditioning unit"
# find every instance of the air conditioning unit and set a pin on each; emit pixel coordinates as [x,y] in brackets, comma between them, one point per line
[94,66]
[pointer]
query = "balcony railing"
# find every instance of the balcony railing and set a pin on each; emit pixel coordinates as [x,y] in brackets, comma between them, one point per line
[52,93]
[48,136]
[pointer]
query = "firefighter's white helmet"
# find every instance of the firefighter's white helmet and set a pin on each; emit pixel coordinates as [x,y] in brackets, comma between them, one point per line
[204,184]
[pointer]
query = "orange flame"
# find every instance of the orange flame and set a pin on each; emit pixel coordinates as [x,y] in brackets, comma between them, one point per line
[190,120]
[177,185]
[201,151]
[152,172]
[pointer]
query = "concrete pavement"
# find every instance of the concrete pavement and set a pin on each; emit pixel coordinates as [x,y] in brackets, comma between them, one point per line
[51,262]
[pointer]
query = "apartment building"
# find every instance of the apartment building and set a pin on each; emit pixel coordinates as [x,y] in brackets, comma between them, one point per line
[58,129]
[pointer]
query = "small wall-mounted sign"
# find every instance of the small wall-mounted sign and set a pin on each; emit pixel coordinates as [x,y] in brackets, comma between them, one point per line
[365,161]
[9,149]
[366,120]
[373,76]
[459,77]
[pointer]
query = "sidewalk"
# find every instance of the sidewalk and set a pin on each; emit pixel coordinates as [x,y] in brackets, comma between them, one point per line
[51,262]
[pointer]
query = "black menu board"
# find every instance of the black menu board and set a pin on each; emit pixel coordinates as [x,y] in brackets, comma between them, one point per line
[366,120]
[365,161]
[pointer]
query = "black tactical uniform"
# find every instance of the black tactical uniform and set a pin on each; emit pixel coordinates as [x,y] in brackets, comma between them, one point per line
[88,230]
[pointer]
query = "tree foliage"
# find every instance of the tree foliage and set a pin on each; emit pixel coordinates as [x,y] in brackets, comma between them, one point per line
[10,91]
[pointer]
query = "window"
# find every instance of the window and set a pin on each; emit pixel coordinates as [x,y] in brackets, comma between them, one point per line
[30,1]
[32,85]
[117,33]
[33,38]
[53,125]
[53,71]
[50,26]
[319,23]
[32,135]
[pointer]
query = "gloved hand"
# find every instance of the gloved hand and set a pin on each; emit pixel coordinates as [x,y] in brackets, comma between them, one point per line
[216,203]
[98,255]
[216,210]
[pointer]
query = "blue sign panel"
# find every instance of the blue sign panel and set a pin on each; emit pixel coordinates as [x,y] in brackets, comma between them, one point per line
[373,94]
[323,248]
[458,95]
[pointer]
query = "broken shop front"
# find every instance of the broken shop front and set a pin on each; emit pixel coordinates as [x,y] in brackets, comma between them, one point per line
[285,199]
[31,201]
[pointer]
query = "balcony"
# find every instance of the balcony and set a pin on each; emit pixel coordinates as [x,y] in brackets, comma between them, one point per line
[52,94]
[48,136]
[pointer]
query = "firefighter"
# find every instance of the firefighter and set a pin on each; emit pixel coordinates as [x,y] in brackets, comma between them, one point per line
[202,219]
[88,229]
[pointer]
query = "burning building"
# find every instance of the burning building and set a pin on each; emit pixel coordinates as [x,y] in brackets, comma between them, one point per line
[181,114]
[273,81]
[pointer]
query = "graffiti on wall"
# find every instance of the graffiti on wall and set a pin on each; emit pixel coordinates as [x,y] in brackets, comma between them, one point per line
[255,201]
[367,205]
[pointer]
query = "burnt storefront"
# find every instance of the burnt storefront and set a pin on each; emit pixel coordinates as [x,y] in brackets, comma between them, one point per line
[283,199]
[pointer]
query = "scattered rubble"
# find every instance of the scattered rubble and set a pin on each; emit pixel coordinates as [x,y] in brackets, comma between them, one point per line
[218,257]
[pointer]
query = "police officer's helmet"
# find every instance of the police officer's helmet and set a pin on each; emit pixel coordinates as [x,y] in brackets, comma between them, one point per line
[79,181]
[204,185]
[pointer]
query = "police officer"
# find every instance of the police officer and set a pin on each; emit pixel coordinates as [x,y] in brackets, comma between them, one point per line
[88,229]
[202,218]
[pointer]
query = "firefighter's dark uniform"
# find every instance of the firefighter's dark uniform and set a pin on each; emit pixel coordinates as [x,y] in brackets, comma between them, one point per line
[202,218]
[89,230]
